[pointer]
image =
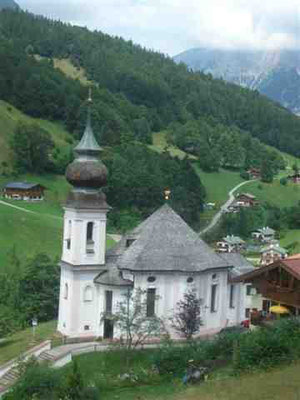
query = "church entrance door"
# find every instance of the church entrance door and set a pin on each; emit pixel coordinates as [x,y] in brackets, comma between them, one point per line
[108,329]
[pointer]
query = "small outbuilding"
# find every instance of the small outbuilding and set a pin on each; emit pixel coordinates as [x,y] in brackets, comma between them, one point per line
[24,191]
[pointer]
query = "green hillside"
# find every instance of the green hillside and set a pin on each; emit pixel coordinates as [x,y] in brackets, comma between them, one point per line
[10,117]
[135,90]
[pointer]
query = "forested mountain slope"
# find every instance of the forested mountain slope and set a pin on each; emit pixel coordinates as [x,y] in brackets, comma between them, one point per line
[138,91]
[274,73]
[8,4]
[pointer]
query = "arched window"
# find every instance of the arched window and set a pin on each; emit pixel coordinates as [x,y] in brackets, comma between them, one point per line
[88,294]
[66,291]
[89,231]
[69,233]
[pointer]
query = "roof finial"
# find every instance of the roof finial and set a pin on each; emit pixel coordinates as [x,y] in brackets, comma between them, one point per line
[167,193]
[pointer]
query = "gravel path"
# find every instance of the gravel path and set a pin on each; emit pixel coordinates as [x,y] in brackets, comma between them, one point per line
[223,209]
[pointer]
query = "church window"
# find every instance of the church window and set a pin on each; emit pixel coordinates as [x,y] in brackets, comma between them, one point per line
[108,301]
[66,291]
[190,279]
[214,276]
[231,296]
[68,239]
[151,279]
[89,237]
[89,231]
[88,294]
[86,327]
[213,298]
[248,290]
[151,302]
[247,312]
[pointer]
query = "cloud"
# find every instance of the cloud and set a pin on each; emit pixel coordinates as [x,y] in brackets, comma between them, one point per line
[172,26]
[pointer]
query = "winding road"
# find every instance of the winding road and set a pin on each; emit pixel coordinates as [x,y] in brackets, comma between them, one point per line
[223,209]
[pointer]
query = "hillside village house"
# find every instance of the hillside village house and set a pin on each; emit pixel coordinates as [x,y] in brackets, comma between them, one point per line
[279,283]
[230,244]
[264,234]
[163,256]
[245,200]
[272,253]
[23,191]
[254,173]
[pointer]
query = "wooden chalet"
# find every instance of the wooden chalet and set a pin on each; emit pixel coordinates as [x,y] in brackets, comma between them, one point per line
[278,282]
[245,200]
[23,191]
[254,173]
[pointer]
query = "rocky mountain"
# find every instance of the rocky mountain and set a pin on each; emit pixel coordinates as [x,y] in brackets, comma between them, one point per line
[273,73]
[4,4]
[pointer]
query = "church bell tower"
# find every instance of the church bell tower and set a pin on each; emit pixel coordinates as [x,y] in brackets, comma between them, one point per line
[84,238]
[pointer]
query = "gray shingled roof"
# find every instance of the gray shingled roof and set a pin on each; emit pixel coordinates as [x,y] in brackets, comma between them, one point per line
[164,242]
[21,185]
[112,277]
[239,263]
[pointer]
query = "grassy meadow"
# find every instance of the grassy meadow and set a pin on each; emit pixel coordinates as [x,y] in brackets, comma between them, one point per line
[10,117]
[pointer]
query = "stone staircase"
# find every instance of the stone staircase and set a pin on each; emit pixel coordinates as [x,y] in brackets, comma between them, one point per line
[8,379]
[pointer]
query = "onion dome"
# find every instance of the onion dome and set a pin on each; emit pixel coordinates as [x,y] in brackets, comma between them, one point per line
[87,171]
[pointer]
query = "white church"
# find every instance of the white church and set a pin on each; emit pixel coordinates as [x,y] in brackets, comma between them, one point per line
[163,256]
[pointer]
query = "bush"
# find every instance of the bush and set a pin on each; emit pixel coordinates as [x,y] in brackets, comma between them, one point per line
[283,181]
[245,175]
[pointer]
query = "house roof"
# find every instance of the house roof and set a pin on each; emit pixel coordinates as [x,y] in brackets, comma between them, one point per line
[239,263]
[231,239]
[164,242]
[266,231]
[251,196]
[21,185]
[274,247]
[290,264]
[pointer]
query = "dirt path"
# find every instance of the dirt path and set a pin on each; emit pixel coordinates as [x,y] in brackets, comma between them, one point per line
[224,208]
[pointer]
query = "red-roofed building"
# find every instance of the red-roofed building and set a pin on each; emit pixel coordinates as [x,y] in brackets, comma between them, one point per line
[278,282]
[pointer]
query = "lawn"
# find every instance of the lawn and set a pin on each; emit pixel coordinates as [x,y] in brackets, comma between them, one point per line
[105,369]
[275,193]
[218,184]
[160,144]
[290,237]
[279,384]
[23,340]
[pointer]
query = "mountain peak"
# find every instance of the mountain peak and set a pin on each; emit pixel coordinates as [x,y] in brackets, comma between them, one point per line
[11,4]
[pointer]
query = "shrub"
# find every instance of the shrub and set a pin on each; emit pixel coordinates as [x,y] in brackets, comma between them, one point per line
[283,181]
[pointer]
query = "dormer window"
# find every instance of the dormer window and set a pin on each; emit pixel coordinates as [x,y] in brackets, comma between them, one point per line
[89,238]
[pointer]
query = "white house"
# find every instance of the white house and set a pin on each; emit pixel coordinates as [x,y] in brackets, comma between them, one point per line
[162,256]
[264,234]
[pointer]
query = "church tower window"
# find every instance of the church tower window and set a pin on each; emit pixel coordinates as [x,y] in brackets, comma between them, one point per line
[68,239]
[213,299]
[66,291]
[89,237]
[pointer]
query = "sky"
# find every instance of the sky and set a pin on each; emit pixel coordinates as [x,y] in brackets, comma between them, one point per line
[172,26]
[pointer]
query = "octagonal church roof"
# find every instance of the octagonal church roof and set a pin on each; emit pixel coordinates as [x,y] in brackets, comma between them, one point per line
[164,242]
